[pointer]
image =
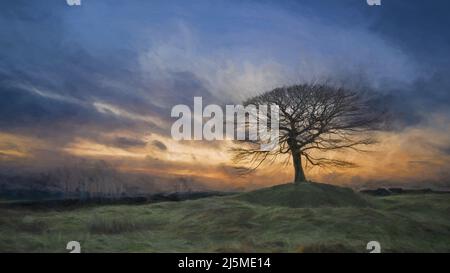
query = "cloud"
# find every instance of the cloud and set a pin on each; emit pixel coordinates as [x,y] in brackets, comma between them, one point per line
[126,142]
[160,145]
[316,51]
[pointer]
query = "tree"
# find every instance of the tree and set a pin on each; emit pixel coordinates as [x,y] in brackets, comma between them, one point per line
[314,119]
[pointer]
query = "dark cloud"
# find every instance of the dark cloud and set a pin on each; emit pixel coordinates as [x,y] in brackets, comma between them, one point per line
[50,47]
[127,142]
[60,119]
[158,144]
[418,27]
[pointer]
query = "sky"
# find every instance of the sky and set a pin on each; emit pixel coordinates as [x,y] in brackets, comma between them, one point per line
[98,81]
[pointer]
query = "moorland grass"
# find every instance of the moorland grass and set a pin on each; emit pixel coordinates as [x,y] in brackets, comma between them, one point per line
[251,222]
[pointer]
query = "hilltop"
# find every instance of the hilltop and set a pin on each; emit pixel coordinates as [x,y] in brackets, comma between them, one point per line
[305,195]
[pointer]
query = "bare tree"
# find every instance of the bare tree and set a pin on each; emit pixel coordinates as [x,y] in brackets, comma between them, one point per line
[314,119]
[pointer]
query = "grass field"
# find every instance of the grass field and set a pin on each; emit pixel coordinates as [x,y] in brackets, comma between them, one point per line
[287,218]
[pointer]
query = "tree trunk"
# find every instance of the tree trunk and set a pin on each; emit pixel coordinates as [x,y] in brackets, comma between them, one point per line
[299,173]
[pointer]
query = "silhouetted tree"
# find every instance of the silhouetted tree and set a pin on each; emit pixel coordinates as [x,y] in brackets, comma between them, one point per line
[314,117]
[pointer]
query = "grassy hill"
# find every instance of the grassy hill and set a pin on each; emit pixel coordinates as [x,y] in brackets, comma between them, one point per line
[305,195]
[286,218]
